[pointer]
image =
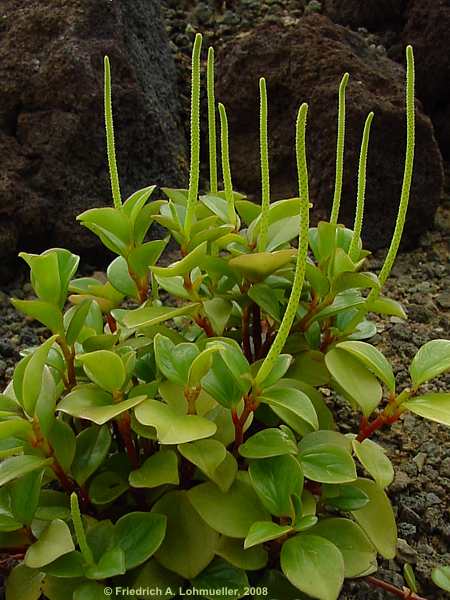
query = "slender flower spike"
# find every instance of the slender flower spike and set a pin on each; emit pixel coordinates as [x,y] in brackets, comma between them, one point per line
[194,173]
[226,170]
[109,126]
[265,180]
[211,122]
[79,529]
[300,268]
[353,250]
[339,151]
[408,170]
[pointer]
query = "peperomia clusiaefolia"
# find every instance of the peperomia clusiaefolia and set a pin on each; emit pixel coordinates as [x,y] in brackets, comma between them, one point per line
[172,433]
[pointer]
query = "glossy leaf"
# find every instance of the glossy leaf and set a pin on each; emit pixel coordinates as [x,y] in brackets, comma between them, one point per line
[189,544]
[441,577]
[185,265]
[17,466]
[92,446]
[327,464]
[369,517]
[293,400]
[55,541]
[174,361]
[106,487]
[265,531]
[91,403]
[139,535]
[77,321]
[373,458]
[431,360]
[222,579]
[44,312]
[354,379]
[359,554]
[267,299]
[387,306]
[250,559]
[218,311]
[256,267]
[24,583]
[207,455]
[274,480]
[105,368]
[373,359]
[239,507]
[435,407]
[266,443]
[152,315]
[172,427]
[306,560]
[159,469]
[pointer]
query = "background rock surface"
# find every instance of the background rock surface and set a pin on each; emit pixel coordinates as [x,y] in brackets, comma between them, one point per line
[52,143]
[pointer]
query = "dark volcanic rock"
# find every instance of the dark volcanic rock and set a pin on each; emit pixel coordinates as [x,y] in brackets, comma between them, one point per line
[306,63]
[52,144]
[372,14]
[427,29]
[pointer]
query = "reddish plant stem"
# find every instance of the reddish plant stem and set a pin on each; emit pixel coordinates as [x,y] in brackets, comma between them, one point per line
[256,329]
[204,323]
[111,322]
[124,426]
[246,333]
[239,421]
[404,593]
[366,429]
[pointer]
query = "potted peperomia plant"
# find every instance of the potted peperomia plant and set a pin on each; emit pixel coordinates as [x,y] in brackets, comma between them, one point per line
[171,434]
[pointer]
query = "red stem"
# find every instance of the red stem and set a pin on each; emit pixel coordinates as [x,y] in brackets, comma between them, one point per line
[124,426]
[404,593]
[367,429]
[246,333]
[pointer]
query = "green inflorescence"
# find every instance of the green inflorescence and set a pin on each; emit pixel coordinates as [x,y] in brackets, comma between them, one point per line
[109,126]
[211,122]
[339,151]
[226,169]
[265,176]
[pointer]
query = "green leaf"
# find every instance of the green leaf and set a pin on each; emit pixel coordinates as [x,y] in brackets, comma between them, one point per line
[387,306]
[309,367]
[373,458]
[274,480]
[106,487]
[25,494]
[145,256]
[256,267]
[317,279]
[153,576]
[119,277]
[267,443]
[77,320]
[24,583]
[225,473]
[435,407]
[17,466]
[112,563]
[293,400]
[250,559]
[265,531]
[18,428]
[62,440]
[185,265]
[218,311]
[373,359]
[92,446]
[356,381]
[159,469]
[359,554]
[314,565]
[174,361]
[237,364]
[343,301]
[327,464]
[441,577]
[267,299]
[223,580]
[32,376]
[239,507]
[221,384]
[89,591]
[67,566]
[207,455]
[44,312]
[152,315]
[345,497]
[280,366]
[139,534]
[369,517]
[91,403]
[200,366]
[111,225]
[431,360]
[345,281]
[44,275]
[189,544]
[53,542]
[53,505]
[172,427]
[105,368]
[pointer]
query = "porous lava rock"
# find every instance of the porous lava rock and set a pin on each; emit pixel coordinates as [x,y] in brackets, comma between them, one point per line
[52,142]
[371,14]
[427,29]
[305,64]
